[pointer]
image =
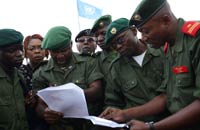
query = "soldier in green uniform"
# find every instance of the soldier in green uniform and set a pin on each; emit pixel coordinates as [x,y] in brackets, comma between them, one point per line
[107,55]
[12,107]
[63,67]
[136,74]
[181,88]
[86,43]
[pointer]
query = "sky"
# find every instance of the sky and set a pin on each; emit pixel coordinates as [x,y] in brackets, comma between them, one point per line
[38,16]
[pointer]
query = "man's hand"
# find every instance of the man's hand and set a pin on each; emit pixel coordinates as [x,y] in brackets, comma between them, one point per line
[114,114]
[51,116]
[138,125]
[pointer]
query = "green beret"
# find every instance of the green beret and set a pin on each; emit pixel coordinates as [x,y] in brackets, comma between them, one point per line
[101,22]
[85,32]
[115,28]
[145,10]
[56,38]
[10,36]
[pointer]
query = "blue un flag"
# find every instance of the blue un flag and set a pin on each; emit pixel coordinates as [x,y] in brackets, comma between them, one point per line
[88,11]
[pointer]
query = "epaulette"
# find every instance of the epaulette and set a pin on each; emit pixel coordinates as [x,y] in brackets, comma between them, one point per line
[191,28]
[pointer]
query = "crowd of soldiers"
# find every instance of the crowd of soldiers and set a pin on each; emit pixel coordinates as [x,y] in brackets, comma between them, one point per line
[150,83]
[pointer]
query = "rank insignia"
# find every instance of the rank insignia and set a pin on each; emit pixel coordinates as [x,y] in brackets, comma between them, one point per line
[180,69]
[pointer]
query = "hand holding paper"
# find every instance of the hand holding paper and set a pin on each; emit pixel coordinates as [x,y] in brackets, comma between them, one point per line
[70,100]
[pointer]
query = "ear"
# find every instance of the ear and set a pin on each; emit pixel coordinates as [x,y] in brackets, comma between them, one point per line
[134,30]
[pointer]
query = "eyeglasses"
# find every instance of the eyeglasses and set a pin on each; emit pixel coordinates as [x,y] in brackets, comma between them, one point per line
[119,40]
[88,40]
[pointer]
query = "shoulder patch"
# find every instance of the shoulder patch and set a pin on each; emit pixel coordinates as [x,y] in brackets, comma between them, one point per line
[191,28]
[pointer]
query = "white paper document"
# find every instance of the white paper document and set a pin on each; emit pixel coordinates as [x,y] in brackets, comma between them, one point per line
[104,122]
[70,100]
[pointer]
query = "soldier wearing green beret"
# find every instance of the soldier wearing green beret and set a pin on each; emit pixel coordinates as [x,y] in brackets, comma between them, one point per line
[136,74]
[181,88]
[86,43]
[63,67]
[108,54]
[12,107]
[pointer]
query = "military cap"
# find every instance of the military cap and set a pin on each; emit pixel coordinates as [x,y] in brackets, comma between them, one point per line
[10,36]
[85,32]
[56,38]
[101,22]
[145,10]
[115,28]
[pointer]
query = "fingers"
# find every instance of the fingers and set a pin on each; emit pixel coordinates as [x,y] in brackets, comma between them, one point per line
[130,123]
[137,125]
[50,112]
[106,113]
[52,116]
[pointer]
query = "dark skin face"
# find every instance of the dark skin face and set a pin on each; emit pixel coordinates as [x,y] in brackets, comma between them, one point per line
[154,35]
[127,43]
[86,44]
[100,37]
[62,56]
[11,56]
[160,29]
[34,51]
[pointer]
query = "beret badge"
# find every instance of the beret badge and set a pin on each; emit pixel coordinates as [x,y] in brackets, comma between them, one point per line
[113,30]
[101,24]
[137,17]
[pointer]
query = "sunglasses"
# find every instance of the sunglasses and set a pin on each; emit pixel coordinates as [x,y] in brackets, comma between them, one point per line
[88,40]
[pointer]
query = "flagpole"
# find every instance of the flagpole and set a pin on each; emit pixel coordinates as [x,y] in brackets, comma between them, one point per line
[79,26]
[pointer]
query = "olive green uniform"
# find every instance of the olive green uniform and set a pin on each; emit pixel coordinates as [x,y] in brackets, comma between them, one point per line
[182,88]
[133,85]
[104,60]
[80,71]
[12,107]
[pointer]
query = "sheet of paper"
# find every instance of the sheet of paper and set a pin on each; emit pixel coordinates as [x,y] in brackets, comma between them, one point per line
[68,99]
[104,122]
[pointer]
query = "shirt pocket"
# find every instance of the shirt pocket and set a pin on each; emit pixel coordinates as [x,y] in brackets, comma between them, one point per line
[130,85]
[185,89]
[80,82]
[184,81]
[134,93]
[6,112]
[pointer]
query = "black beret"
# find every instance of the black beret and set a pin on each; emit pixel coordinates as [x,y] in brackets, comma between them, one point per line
[10,36]
[85,32]
[145,10]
